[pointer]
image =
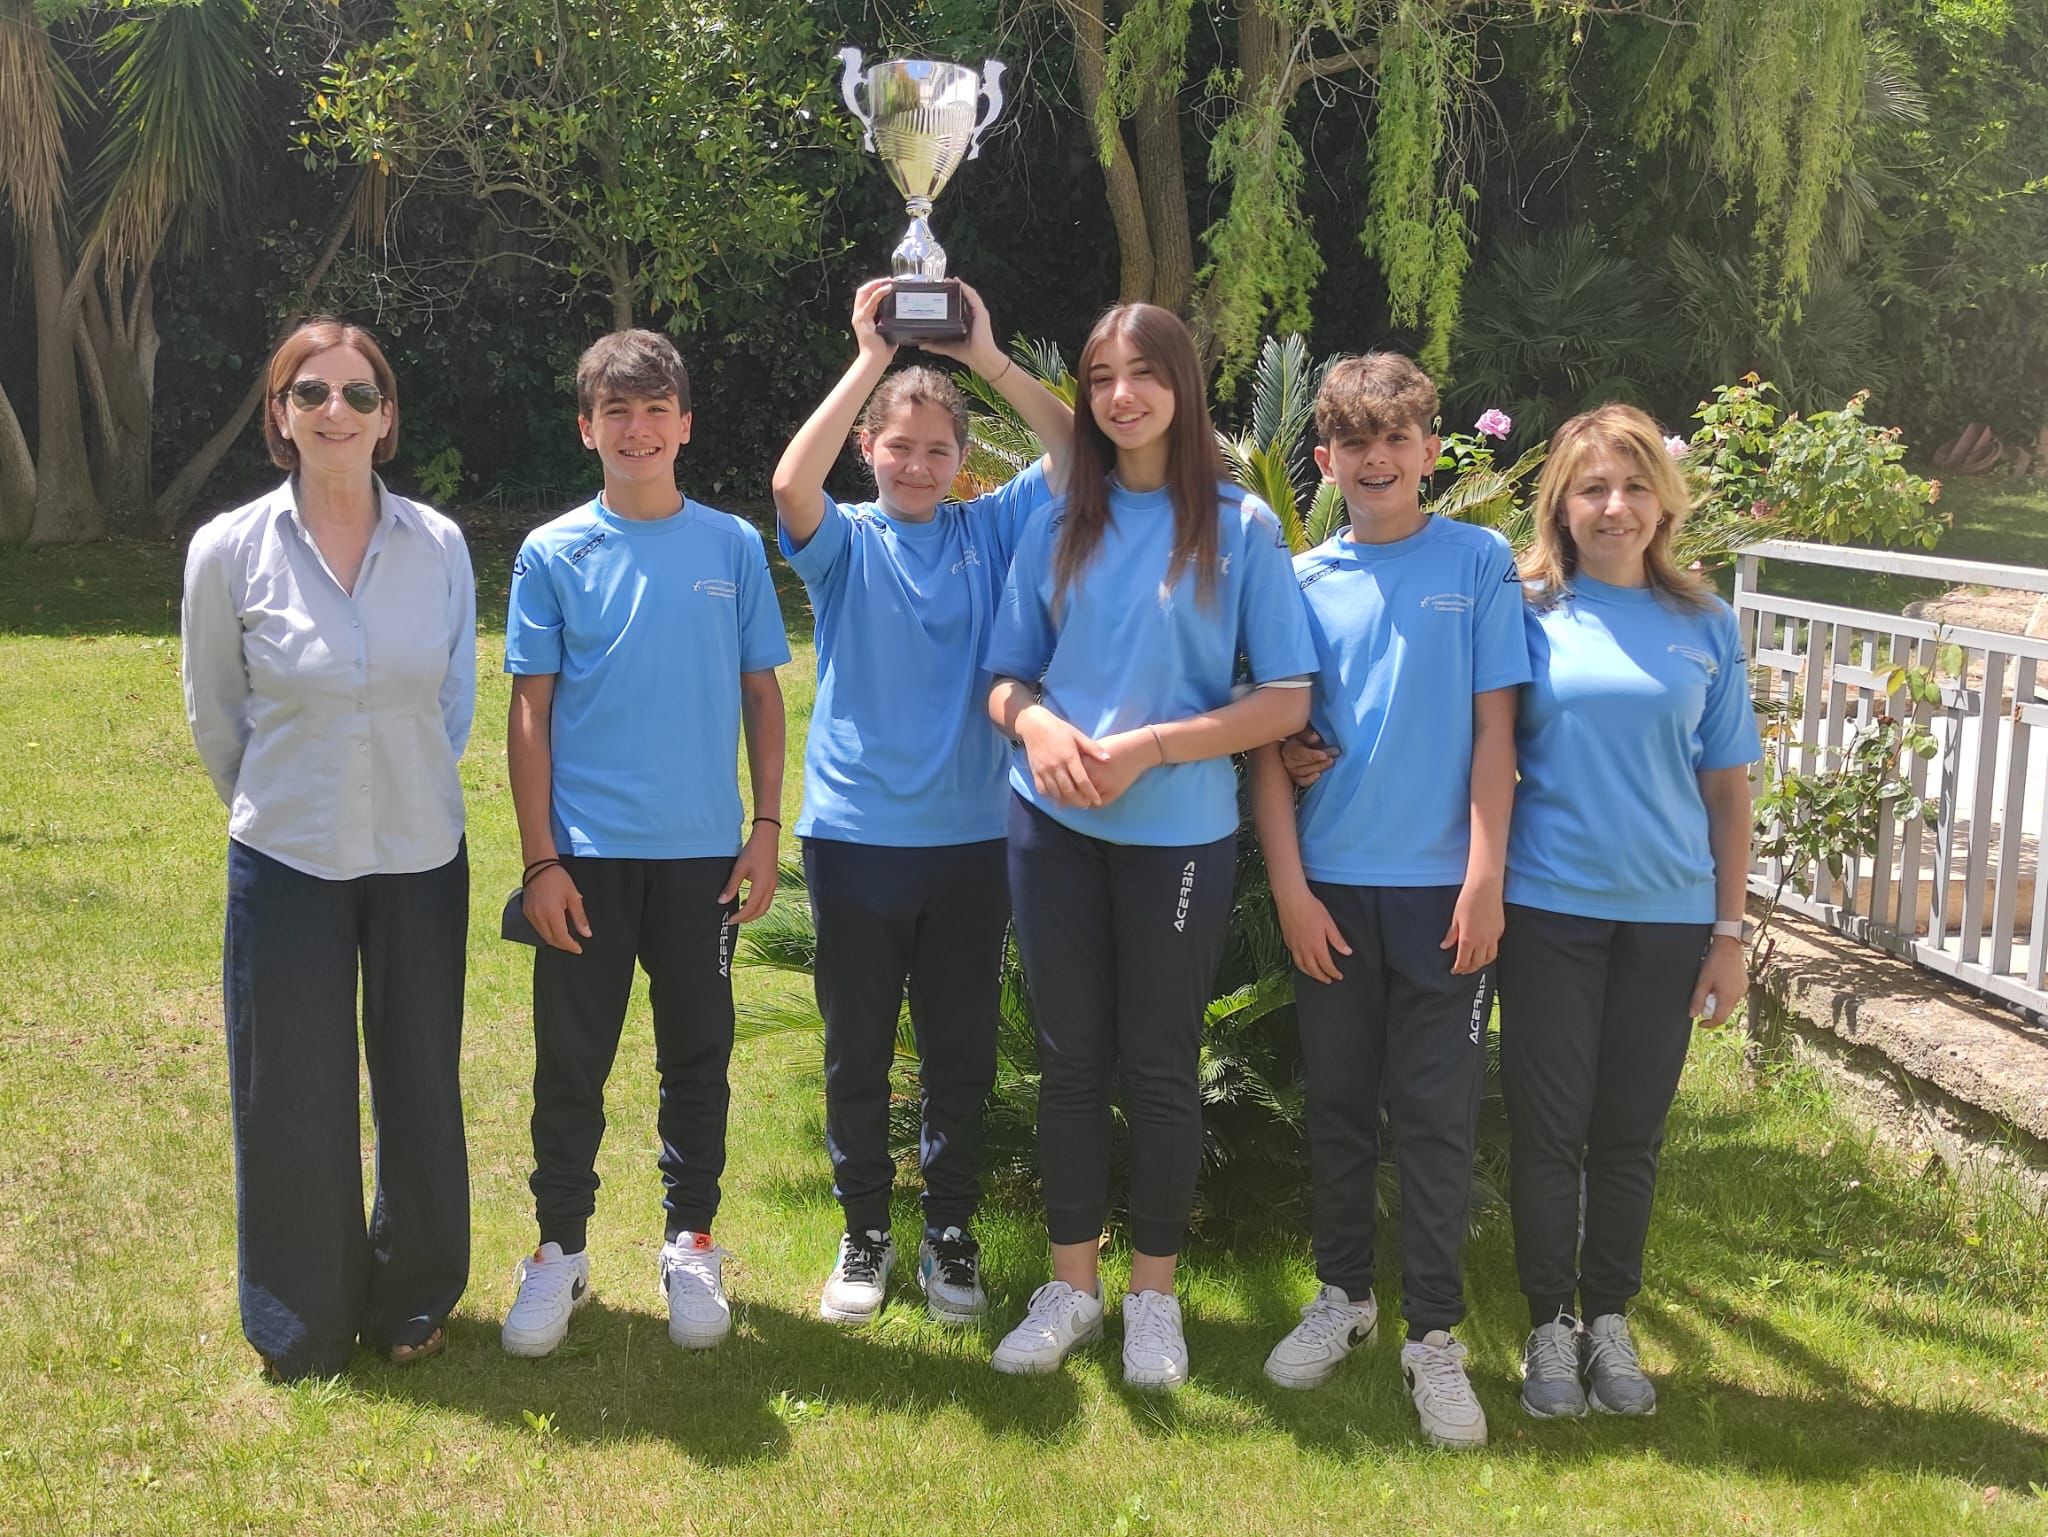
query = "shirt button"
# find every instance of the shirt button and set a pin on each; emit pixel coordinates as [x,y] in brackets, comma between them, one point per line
[362,747]
[363,789]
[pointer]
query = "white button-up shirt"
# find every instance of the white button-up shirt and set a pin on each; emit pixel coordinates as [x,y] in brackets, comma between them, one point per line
[331,721]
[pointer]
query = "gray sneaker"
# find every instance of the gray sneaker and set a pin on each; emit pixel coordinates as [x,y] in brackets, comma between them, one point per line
[1550,1370]
[1616,1384]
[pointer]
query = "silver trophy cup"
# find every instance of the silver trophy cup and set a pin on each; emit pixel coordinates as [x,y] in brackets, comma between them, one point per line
[920,118]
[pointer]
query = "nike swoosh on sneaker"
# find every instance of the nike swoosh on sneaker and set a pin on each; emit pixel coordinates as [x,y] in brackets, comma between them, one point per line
[576,1289]
[1359,1332]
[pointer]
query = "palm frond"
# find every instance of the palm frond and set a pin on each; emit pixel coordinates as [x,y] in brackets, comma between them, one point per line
[1326,516]
[39,95]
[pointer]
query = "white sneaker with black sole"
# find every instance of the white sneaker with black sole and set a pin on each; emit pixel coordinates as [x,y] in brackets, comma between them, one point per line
[1155,1348]
[1058,1321]
[1331,1327]
[1435,1368]
[859,1282]
[552,1285]
[693,1282]
[949,1274]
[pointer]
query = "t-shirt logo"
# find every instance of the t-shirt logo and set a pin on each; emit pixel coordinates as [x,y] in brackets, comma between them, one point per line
[519,564]
[716,587]
[1707,663]
[1448,602]
[969,557]
[1312,575]
[575,553]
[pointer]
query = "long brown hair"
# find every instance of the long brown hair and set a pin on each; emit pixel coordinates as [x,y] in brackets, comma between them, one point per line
[1194,464]
[1552,560]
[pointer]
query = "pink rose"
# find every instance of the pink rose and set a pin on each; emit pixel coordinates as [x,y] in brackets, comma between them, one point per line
[1494,423]
[1677,447]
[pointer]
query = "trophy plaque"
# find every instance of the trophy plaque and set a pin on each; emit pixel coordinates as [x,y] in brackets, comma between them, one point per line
[920,119]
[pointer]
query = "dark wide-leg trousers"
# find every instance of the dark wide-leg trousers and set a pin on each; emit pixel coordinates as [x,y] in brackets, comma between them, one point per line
[312,1276]
[933,918]
[1399,1030]
[665,914]
[1595,1019]
[1120,944]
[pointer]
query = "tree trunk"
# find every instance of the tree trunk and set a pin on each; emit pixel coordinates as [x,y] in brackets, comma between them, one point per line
[65,510]
[122,367]
[622,296]
[1163,184]
[17,476]
[184,488]
[1120,175]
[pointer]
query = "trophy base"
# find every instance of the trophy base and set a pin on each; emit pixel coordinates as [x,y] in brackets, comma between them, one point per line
[923,310]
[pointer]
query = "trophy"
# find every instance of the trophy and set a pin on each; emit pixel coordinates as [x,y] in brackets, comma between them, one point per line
[920,118]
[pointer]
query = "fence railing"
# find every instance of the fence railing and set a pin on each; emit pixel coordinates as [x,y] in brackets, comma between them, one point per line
[1963,897]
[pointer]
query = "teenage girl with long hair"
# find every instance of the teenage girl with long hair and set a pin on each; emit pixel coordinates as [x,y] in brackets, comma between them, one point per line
[1127,618]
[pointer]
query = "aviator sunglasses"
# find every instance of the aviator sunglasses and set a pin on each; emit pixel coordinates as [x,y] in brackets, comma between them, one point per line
[312,394]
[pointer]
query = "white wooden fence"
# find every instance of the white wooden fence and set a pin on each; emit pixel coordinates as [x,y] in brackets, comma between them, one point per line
[1961,897]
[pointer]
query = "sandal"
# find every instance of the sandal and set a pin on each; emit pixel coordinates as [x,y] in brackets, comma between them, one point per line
[409,1352]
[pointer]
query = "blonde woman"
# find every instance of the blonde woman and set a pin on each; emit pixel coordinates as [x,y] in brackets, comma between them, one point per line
[1625,882]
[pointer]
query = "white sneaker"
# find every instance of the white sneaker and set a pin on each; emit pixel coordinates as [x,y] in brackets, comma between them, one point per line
[1155,1351]
[552,1285]
[1058,1320]
[1331,1327]
[1435,1368]
[692,1278]
[949,1272]
[859,1282]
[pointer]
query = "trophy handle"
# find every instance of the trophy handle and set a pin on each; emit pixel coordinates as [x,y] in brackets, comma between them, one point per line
[849,88]
[992,88]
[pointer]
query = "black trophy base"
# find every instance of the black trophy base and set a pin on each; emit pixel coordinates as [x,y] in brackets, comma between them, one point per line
[922,310]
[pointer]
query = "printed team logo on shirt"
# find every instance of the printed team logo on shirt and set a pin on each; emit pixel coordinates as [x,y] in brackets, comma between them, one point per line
[1711,667]
[969,557]
[582,547]
[519,564]
[1448,602]
[1314,574]
[716,587]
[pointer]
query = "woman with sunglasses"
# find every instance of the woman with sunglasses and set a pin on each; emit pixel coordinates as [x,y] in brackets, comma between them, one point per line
[329,666]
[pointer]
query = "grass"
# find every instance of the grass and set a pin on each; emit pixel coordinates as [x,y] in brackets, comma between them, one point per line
[1845,1346]
[1999,519]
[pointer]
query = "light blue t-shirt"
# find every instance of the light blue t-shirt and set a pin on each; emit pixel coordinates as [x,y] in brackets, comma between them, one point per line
[1632,697]
[901,750]
[1406,633]
[648,625]
[1123,650]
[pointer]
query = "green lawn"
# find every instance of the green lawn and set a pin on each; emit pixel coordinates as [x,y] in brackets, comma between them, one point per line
[1845,1347]
[2000,519]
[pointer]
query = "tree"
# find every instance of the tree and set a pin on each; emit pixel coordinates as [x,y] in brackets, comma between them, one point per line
[647,149]
[160,96]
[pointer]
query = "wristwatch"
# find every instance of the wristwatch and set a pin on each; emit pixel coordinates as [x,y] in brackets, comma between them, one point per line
[1731,928]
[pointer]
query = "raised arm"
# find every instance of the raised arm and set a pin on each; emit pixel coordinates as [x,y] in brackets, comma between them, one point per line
[799,481]
[1048,416]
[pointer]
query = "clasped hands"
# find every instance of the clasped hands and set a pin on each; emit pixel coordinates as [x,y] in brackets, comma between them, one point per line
[1071,768]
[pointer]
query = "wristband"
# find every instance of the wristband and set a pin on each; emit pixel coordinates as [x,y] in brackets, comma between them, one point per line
[551,862]
[1731,928]
[1008,364]
[1156,742]
[769,820]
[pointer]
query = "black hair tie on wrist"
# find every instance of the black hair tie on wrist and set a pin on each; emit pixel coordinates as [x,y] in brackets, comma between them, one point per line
[536,867]
[770,821]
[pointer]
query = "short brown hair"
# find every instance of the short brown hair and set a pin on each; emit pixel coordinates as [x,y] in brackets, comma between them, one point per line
[1363,397]
[915,386]
[636,365]
[311,337]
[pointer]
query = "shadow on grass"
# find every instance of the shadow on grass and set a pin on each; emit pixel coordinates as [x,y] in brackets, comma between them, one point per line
[618,1378]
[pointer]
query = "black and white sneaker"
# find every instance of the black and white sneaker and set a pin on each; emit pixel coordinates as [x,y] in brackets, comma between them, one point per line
[859,1283]
[949,1272]
[1331,1327]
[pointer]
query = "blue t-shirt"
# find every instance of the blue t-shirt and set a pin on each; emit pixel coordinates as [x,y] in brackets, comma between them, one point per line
[1406,633]
[1632,698]
[901,751]
[648,626]
[1124,651]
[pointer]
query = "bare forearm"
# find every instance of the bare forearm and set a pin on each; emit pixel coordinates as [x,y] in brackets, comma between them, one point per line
[1264,715]
[1272,795]
[1727,796]
[761,715]
[529,763]
[799,481]
[1493,788]
[1009,699]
